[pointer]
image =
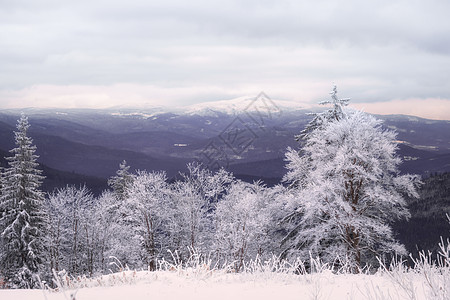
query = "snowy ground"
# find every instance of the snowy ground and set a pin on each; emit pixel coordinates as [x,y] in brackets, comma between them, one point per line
[205,284]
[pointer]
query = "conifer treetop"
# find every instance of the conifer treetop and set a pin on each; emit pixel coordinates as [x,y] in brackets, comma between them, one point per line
[336,102]
[335,113]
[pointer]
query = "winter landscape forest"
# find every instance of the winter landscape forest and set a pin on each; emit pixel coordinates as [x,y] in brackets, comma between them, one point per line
[326,230]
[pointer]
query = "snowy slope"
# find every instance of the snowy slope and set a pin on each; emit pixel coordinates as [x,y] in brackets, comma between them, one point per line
[209,285]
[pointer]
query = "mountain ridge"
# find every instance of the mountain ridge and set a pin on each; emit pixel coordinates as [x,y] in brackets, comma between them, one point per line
[92,140]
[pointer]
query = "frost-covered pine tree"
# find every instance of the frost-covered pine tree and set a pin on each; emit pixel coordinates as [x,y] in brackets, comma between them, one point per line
[336,113]
[121,181]
[346,189]
[120,184]
[22,223]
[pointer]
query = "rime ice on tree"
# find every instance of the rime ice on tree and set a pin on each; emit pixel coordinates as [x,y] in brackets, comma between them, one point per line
[338,104]
[320,119]
[121,182]
[22,222]
[346,188]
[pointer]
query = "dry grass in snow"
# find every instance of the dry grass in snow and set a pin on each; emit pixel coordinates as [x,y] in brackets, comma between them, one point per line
[270,280]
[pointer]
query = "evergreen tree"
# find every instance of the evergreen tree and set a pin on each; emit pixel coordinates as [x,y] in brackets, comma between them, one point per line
[347,189]
[22,223]
[121,182]
[336,113]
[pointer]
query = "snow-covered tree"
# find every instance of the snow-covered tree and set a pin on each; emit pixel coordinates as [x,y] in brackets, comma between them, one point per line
[2,181]
[346,189]
[22,223]
[121,181]
[81,230]
[148,211]
[108,229]
[336,113]
[196,196]
[56,231]
[276,199]
[72,230]
[243,223]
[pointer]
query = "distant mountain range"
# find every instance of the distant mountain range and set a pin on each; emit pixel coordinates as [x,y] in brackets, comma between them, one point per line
[248,136]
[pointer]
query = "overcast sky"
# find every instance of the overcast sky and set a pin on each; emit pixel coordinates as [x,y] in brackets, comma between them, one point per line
[388,56]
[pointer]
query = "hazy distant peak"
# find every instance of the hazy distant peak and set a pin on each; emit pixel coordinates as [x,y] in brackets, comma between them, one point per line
[212,108]
[242,104]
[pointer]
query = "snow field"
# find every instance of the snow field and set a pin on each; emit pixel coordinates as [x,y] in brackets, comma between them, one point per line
[201,283]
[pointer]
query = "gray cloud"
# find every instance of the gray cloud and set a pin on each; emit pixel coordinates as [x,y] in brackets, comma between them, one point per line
[375,50]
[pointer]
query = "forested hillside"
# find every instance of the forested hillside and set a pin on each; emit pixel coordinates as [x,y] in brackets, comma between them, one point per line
[429,212]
